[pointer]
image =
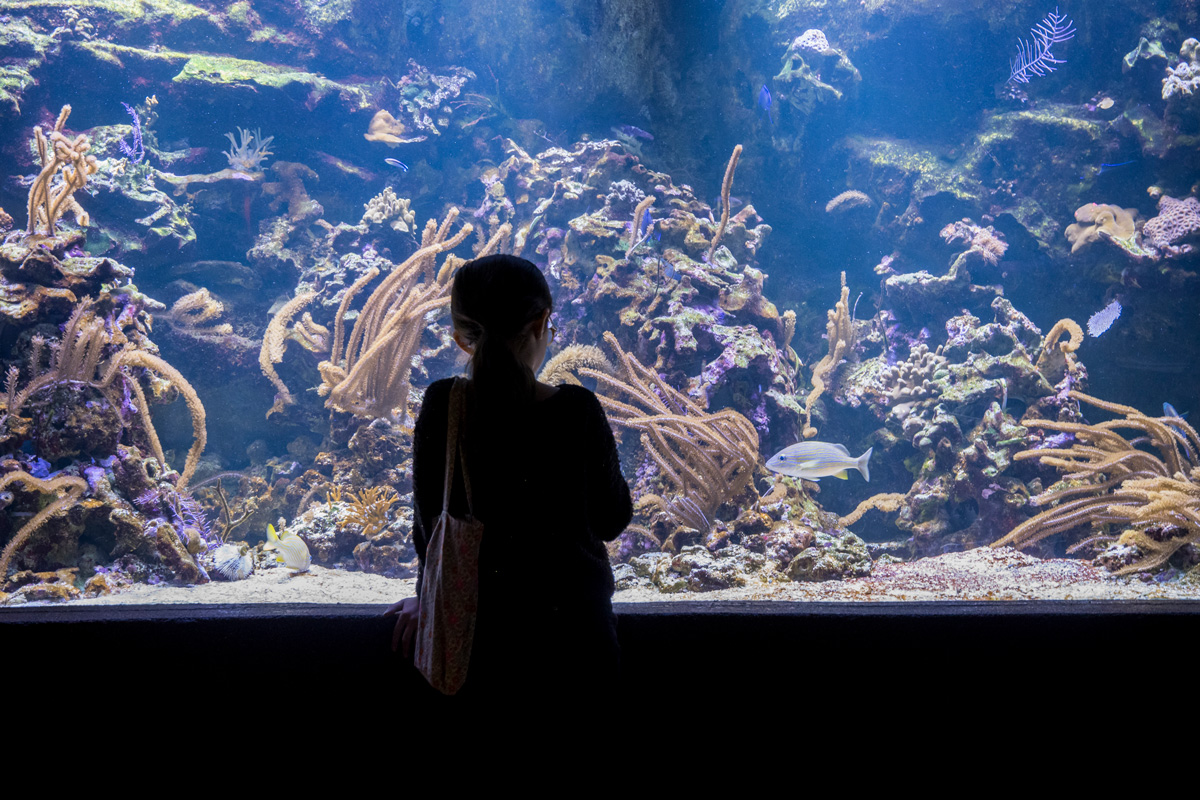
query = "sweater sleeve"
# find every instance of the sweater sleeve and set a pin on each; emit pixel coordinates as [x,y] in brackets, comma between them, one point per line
[429,467]
[609,506]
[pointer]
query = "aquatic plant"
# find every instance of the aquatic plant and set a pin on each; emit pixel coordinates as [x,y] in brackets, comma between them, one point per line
[1110,482]
[1034,56]
[250,153]
[59,155]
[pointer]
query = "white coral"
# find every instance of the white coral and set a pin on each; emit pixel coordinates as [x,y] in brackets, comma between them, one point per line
[385,206]
[249,155]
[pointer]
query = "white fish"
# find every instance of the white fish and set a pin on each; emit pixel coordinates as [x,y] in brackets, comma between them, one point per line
[233,562]
[816,460]
[292,551]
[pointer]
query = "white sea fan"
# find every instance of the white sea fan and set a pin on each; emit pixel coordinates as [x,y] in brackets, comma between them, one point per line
[1103,319]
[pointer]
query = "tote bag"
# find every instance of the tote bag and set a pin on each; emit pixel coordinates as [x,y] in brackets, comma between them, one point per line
[450,586]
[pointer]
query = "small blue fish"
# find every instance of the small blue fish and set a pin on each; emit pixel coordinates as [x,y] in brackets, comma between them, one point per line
[646,220]
[816,460]
[636,132]
[395,162]
[1106,167]
[764,102]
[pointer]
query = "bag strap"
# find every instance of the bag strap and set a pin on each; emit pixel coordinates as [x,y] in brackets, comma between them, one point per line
[453,453]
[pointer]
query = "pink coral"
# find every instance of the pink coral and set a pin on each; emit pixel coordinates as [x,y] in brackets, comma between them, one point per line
[1177,220]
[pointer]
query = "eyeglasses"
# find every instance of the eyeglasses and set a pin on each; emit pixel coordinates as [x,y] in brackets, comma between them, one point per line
[553,330]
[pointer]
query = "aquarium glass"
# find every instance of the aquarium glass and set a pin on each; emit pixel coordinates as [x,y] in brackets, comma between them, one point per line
[886,300]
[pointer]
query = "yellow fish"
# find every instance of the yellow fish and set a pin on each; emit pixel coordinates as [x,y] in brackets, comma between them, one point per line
[292,552]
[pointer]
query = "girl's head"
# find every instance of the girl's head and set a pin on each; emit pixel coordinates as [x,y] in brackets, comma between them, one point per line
[501,308]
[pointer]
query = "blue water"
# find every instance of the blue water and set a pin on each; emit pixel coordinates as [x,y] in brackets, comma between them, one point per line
[290,148]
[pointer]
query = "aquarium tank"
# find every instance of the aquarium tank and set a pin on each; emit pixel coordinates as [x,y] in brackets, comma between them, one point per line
[885,300]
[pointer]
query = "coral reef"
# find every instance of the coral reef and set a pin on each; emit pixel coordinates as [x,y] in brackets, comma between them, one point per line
[1111,485]
[1095,221]
[68,160]
[706,459]
[370,376]
[1177,222]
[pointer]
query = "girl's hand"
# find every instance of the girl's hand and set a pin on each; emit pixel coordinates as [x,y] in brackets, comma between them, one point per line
[406,612]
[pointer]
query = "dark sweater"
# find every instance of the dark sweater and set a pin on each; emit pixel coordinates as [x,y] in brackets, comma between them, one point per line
[547,486]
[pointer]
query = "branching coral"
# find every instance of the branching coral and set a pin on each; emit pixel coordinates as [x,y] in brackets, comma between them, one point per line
[1056,354]
[562,368]
[370,377]
[369,508]
[250,153]
[881,502]
[840,333]
[72,489]
[274,342]
[192,312]
[726,188]
[707,458]
[58,153]
[1110,481]
[77,359]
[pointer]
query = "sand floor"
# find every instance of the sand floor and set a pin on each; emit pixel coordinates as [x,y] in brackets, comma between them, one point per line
[982,574]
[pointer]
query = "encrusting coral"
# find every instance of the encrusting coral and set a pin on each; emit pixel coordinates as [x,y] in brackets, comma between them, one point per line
[57,153]
[914,379]
[1109,481]
[1177,222]
[387,206]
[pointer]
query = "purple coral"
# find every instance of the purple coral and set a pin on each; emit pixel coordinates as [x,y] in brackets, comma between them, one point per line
[1177,220]
[135,152]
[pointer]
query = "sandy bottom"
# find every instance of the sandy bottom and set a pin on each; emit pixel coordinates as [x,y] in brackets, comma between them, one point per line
[982,574]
